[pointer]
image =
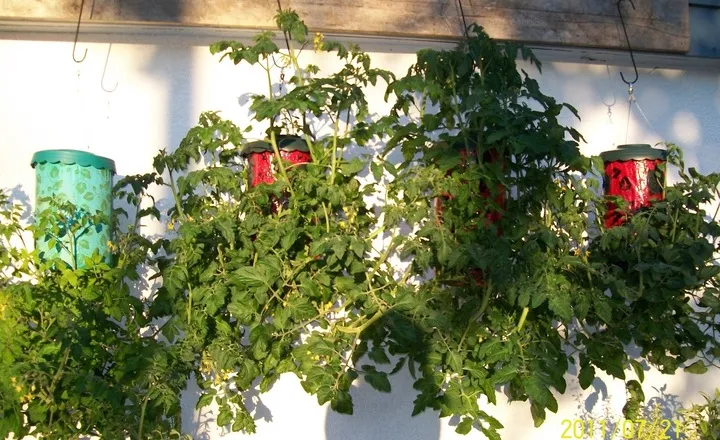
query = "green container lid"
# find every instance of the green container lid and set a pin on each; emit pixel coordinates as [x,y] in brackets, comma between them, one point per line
[73,157]
[633,152]
[284,142]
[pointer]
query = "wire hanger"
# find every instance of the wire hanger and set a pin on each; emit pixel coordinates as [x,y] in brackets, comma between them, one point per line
[632,57]
[77,33]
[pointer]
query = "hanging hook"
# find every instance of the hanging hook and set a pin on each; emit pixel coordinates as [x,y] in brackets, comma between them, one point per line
[77,32]
[102,79]
[632,57]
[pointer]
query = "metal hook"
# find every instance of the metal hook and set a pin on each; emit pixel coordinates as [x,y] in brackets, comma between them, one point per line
[77,32]
[632,57]
[614,97]
[102,79]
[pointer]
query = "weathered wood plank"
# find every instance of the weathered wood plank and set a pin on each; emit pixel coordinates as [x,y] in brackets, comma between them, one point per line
[655,25]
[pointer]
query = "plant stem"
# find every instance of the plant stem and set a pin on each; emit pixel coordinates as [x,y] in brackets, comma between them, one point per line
[142,415]
[281,165]
[327,218]
[56,378]
[522,318]
[174,190]
[189,306]
[479,313]
[357,330]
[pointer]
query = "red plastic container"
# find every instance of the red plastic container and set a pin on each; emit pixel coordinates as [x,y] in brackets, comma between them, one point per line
[633,173]
[491,156]
[492,217]
[261,158]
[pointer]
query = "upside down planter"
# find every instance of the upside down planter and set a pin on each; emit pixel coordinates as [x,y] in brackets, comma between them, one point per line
[84,180]
[260,157]
[493,216]
[636,173]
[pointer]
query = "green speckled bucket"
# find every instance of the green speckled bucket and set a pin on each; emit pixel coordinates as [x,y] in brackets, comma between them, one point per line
[84,180]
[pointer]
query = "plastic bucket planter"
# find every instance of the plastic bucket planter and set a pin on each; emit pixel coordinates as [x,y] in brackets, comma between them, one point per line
[498,196]
[636,173]
[493,216]
[260,157]
[85,181]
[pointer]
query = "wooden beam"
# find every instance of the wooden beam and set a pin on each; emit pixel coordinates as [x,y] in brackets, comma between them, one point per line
[655,25]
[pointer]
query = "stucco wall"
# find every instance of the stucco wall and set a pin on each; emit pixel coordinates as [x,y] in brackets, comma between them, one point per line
[47,101]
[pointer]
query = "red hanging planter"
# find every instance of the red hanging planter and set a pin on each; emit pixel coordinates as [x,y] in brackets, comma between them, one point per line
[492,217]
[633,172]
[500,198]
[261,157]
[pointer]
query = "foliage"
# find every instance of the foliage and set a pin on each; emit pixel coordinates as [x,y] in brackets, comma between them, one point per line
[77,358]
[526,286]
[486,266]
[702,421]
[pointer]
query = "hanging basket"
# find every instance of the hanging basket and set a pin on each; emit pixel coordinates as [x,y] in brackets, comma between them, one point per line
[84,180]
[635,172]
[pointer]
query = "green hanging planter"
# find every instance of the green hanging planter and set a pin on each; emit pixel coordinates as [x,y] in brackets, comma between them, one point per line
[84,180]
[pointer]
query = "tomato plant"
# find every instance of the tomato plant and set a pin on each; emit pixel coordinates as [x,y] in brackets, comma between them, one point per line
[478,261]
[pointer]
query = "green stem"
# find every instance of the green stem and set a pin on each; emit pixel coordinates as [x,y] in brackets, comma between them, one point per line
[142,415]
[333,159]
[283,170]
[327,218]
[357,330]
[522,318]
[56,378]
[174,190]
[189,306]
[479,313]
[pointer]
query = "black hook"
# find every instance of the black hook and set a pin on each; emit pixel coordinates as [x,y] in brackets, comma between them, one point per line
[632,57]
[77,32]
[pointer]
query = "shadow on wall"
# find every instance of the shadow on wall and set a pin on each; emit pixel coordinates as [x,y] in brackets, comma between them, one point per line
[383,416]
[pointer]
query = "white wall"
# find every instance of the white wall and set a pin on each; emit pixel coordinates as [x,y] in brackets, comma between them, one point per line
[47,101]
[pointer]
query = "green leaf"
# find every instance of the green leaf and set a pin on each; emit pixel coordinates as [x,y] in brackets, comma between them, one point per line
[225,416]
[376,379]
[638,369]
[697,367]
[560,305]
[539,392]
[538,414]
[504,375]
[465,426]
[586,376]
[377,355]
[377,171]
[250,277]
[342,403]
[353,167]
[204,400]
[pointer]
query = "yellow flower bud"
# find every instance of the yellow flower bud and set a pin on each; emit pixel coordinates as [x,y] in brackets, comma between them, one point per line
[318,42]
